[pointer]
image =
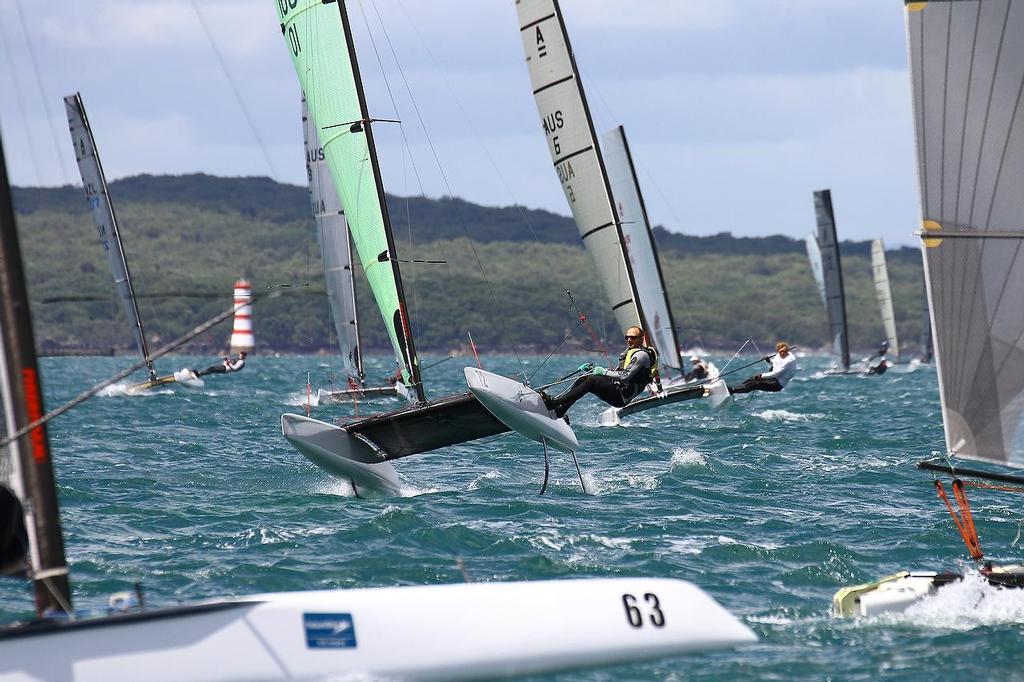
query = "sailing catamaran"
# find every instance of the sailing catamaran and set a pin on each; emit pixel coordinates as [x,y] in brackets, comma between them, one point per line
[336,254]
[319,39]
[102,209]
[967,64]
[292,635]
[608,209]
[823,252]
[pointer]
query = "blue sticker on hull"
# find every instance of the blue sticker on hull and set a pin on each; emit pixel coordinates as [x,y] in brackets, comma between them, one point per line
[329,630]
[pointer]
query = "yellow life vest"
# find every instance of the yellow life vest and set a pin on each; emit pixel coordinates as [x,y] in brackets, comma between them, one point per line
[651,353]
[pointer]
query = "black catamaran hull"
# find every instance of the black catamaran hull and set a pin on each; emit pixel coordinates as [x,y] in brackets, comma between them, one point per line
[361,451]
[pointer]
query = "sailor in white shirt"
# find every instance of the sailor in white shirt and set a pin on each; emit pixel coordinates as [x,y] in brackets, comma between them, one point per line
[783,368]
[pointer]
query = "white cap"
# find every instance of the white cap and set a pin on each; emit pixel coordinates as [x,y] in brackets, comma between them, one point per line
[694,358]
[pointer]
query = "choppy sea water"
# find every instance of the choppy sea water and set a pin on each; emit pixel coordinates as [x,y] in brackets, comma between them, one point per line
[770,507]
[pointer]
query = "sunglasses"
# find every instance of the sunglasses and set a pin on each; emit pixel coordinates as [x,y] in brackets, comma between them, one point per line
[629,336]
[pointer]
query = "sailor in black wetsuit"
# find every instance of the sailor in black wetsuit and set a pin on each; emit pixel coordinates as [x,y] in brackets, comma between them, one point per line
[699,371]
[227,365]
[636,369]
[883,364]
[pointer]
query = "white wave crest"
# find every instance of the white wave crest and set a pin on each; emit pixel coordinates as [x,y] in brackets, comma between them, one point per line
[787,416]
[966,605]
[688,457]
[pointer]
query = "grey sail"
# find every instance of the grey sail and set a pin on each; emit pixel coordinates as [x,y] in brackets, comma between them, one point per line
[642,249]
[832,276]
[102,209]
[576,153]
[883,292]
[967,67]
[335,250]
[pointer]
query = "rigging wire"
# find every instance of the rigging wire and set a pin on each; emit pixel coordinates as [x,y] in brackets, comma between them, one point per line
[444,177]
[20,97]
[234,88]
[42,90]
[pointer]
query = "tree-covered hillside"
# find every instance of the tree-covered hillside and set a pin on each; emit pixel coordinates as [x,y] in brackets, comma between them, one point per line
[188,236]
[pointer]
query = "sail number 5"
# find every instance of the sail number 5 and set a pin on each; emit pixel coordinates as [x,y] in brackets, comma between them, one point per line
[635,610]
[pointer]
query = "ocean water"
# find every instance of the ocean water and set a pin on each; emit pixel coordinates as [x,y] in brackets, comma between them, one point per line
[770,507]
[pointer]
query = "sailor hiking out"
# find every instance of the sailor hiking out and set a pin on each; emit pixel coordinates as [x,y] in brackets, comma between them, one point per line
[783,368]
[699,371]
[229,364]
[638,367]
[883,362]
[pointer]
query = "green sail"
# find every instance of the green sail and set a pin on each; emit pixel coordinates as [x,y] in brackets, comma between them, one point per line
[319,41]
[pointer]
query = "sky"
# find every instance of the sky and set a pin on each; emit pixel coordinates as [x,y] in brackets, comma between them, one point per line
[736,110]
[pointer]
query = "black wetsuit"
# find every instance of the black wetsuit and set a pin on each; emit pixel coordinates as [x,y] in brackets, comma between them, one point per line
[224,367]
[698,373]
[617,387]
[879,368]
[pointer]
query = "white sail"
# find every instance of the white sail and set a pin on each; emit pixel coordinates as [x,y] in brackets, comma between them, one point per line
[814,256]
[883,291]
[95,183]
[642,249]
[576,153]
[335,249]
[967,66]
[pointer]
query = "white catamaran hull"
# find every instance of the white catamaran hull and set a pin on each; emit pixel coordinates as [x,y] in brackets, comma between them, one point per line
[338,452]
[438,632]
[520,408]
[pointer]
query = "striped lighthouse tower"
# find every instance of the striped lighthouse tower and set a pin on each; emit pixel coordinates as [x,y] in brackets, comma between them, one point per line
[241,334]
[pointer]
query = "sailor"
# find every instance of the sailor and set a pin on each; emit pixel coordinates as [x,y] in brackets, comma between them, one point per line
[883,365]
[783,368]
[638,367]
[699,371]
[229,364]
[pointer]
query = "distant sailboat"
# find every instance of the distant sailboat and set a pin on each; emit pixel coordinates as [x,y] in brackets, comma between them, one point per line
[336,253]
[823,253]
[967,64]
[102,209]
[323,634]
[883,293]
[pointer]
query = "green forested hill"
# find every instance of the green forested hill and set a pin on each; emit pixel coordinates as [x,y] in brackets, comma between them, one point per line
[196,234]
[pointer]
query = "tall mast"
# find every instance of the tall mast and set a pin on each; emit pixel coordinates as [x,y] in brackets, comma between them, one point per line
[23,404]
[95,182]
[404,328]
[357,349]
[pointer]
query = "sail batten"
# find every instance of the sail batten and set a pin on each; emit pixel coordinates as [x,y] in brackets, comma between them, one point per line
[102,208]
[883,293]
[319,41]
[641,248]
[967,66]
[335,250]
[576,154]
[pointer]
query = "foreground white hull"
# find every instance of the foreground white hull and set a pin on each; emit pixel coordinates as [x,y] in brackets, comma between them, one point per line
[520,408]
[336,451]
[440,632]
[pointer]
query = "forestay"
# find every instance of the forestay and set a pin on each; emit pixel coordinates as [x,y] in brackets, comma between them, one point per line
[319,41]
[335,249]
[832,276]
[883,292]
[575,151]
[102,209]
[641,248]
[967,64]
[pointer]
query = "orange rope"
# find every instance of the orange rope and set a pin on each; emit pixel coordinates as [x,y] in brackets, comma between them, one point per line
[964,521]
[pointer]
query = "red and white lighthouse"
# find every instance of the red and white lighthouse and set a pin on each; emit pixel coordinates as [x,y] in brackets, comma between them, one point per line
[241,334]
